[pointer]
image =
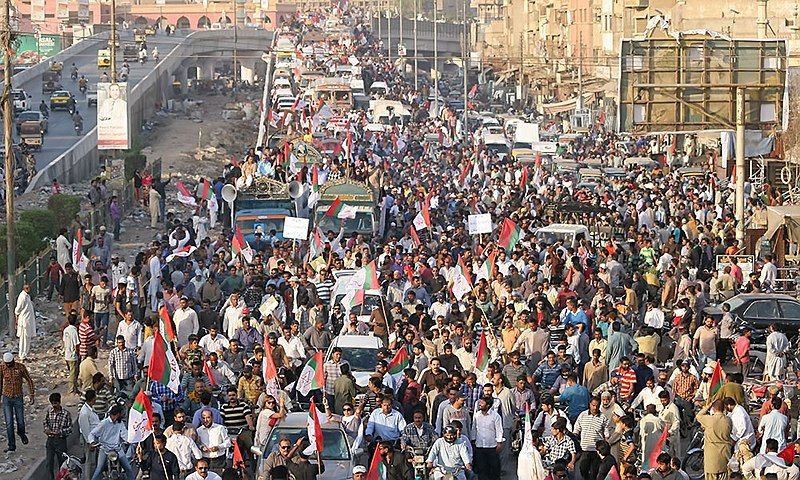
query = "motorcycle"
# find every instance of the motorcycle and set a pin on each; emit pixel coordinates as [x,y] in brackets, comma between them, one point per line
[693,464]
[447,473]
[71,468]
[114,469]
[74,75]
[78,129]
[82,89]
[418,463]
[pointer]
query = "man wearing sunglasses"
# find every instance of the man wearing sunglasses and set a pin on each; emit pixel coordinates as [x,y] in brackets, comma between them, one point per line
[201,472]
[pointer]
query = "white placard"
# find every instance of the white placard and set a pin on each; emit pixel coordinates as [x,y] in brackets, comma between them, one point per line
[481,223]
[295,228]
[113,132]
[745,262]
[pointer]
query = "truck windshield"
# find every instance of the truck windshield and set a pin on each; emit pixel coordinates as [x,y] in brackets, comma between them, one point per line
[362,223]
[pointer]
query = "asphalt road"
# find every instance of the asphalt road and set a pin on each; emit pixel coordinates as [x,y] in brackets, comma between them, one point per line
[61,134]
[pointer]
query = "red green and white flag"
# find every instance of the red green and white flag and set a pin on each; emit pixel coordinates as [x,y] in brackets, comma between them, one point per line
[352,299]
[268,370]
[79,260]
[140,418]
[613,474]
[205,188]
[414,236]
[650,460]
[377,469]
[717,380]
[240,246]
[482,355]
[334,208]
[487,269]
[509,235]
[399,363]
[315,247]
[164,368]
[209,373]
[166,324]
[312,376]
[463,267]
[371,276]
[523,179]
[314,427]
[527,442]
[184,195]
[313,197]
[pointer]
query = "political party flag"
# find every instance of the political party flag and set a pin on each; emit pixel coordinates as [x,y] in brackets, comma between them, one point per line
[473,91]
[426,210]
[460,286]
[268,370]
[414,236]
[312,376]
[184,195]
[463,267]
[371,276]
[238,460]
[523,179]
[352,299]
[347,211]
[650,461]
[164,368]
[79,260]
[205,188]
[487,269]
[240,246]
[482,356]
[613,474]
[316,247]
[527,439]
[182,252]
[399,363]
[209,373]
[787,454]
[334,208]
[509,235]
[717,380]
[377,470]
[314,427]
[419,222]
[140,418]
[529,465]
[166,324]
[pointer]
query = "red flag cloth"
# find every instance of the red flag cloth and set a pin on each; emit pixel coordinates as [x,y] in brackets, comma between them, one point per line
[238,460]
[209,374]
[787,454]
[375,468]
[169,331]
[414,236]
[657,449]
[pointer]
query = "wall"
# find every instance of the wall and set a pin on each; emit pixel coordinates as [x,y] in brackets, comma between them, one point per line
[81,161]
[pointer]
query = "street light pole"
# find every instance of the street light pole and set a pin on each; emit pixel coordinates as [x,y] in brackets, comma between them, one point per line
[113,40]
[10,160]
[435,60]
[235,40]
[416,56]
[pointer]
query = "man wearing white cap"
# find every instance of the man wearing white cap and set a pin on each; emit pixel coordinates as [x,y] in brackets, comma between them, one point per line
[359,472]
[26,321]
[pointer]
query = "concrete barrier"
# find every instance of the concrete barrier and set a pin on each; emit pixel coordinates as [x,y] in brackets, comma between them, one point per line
[81,161]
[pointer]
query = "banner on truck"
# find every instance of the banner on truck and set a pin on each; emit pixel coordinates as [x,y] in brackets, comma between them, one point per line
[113,132]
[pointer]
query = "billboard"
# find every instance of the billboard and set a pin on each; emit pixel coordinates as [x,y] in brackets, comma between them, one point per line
[113,132]
[31,50]
[687,81]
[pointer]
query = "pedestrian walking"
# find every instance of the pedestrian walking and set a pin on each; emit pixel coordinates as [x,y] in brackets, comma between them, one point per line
[12,374]
[57,427]
[26,321]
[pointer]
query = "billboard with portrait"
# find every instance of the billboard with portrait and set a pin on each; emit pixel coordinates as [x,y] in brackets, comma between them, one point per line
[113,132]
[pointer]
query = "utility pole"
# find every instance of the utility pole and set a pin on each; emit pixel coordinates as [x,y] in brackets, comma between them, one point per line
[740,112]
[402,39]
[11,247]
[416,56]
[380,22]
[389,37]
[435,59]
[235,41]
[464,55]
[113,40]
[579,101]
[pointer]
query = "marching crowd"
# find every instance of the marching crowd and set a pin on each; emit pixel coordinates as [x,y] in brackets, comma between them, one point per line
[503,355]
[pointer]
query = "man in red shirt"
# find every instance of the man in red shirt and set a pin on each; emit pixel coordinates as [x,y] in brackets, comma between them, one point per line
[627,380]
[742,351]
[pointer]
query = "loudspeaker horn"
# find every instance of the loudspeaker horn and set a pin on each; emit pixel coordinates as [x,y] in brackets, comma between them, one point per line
[295,189]
[229,193]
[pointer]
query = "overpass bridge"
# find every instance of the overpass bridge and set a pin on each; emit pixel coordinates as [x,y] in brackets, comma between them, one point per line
[448,41]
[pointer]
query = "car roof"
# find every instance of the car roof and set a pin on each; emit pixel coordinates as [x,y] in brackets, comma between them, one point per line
[764,296]
[357,341]
[563,227]
[300,420]
[57,92]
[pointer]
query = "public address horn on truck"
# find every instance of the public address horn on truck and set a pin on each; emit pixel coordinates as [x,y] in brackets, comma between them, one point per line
[229,194]
[295,189]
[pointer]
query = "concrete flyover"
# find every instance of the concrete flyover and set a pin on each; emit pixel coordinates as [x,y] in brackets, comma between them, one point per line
[448,36]
[79,162]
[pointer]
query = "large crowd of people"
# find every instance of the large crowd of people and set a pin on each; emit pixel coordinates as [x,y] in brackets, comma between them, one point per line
[532,357]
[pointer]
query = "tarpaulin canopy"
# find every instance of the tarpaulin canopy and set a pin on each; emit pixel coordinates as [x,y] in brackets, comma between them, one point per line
[784,215]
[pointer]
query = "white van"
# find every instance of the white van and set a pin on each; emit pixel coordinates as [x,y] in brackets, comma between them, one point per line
[569,234]
[497,143]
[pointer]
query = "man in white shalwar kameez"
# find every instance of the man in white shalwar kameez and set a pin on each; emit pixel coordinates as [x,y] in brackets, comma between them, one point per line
[63,250]
[155,280]
[26,321]
[777,346]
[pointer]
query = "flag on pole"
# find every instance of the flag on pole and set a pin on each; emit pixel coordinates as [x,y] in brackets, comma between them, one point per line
[240,246]
[377,470]
[184,195]
[650,460]
[472,91]
[399,363]
[238,459]
[314,427]
[613,474]
[181,252]
[523,179]
[166,324]
[334,208]
[460,286]
[414,236]
[315,247]
[209,373]
[79,260]
[371,276]
[205,188]
[482,356]
[419,222]
[486,271]
[717,380]
[509,235]
[268,371]
[347,211]
[164,368]
[140,418]
[787,454]
[312,376]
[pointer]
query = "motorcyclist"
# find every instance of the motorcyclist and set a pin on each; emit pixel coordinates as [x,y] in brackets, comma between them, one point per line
[109,436]
[82,83]
[449,456]
[74,72]
[104,77]
[142,55]
[43,109]
[418,435]
[155,53]
[77,120]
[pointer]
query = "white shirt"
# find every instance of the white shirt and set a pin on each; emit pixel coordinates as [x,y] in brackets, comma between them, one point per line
[222,373]
[773,425]
[769,272]
[487,429]
[742,426]
[232,320]
[185,449]
[293,347]
[71,341]
[215,344]
[654,318]
[648,397]
[185,324]
[87,420]
[211,476]
[132,333]
[215,436]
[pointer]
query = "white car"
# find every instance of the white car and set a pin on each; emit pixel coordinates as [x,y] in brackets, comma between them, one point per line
[361,352]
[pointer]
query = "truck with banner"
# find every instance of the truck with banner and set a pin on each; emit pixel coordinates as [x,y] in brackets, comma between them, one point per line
[349,200]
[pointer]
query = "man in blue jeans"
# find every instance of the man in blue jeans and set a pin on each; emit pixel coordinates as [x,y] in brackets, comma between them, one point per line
[109,436]
[11,376]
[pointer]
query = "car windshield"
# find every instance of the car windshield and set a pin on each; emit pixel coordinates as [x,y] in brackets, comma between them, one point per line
[735,302]
[371,302]
[335,445]
[552,237]
[360,359]
[28,116]
[61,93]
[497,147]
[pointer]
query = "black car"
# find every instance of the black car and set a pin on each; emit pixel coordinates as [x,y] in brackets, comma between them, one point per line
[759,310]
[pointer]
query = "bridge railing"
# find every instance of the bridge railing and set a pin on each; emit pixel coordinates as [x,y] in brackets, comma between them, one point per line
[445,31]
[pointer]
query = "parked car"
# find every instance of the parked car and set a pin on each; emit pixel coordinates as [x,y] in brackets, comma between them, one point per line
[759,310]
[337,454]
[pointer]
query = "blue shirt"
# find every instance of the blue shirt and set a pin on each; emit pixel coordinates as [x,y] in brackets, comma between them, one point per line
[387,427]
[214,415]
[547,375]
[576,318]
[577,399]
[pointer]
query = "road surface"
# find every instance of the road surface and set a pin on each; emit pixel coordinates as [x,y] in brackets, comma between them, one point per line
[61,134]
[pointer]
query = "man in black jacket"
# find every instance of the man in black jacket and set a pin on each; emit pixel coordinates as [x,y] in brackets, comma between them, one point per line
[160,462]
[70,289]
[395,462]
[599,470]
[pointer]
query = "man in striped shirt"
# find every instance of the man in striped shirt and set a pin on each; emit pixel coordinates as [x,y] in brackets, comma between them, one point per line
[590,426]
[627,380]
[86,335]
